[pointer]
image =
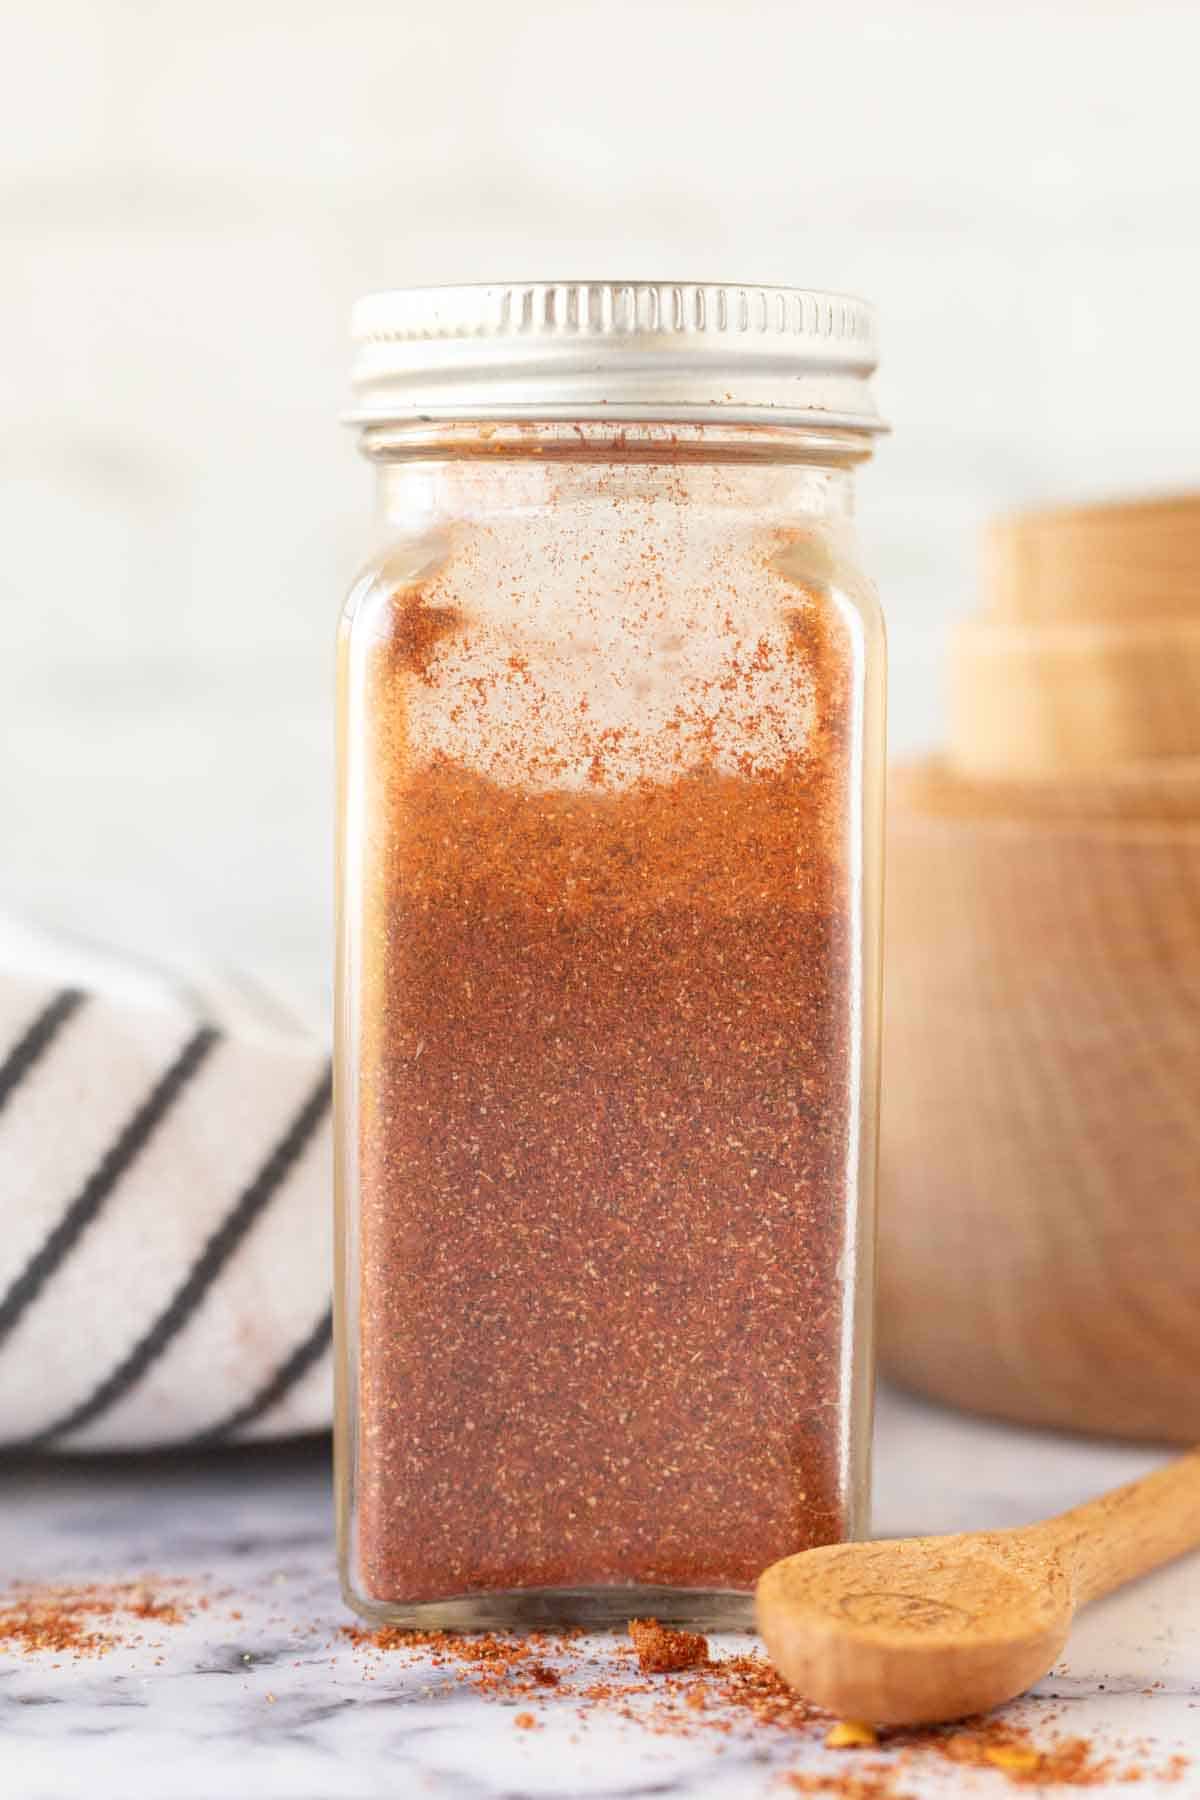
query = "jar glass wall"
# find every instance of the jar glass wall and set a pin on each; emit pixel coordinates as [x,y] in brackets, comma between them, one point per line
[611,737]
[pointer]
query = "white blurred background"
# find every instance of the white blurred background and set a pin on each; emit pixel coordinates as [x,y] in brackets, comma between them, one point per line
[194,190]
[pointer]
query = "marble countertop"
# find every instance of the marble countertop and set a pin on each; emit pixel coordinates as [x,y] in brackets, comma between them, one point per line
[257,1692]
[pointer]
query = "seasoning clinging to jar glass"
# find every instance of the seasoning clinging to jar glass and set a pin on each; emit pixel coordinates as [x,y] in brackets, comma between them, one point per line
[611,735]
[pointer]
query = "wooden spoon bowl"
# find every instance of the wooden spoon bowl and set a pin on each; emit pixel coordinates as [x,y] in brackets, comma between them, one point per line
[867,1630]
[912,1631]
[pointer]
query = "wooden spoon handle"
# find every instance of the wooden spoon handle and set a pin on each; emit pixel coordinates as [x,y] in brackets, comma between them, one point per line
[1129,1531]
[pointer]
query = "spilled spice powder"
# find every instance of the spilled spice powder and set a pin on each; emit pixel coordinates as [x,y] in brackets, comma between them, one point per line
[89,1620]
[494,1662]
[661,1651]
[993,1743]
[874,1781]
[740,1694]
[606,989]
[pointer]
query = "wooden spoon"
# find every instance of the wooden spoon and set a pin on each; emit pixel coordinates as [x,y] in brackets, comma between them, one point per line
[909,1631]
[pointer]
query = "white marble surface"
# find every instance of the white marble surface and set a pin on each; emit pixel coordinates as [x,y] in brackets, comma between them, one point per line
[275,1704]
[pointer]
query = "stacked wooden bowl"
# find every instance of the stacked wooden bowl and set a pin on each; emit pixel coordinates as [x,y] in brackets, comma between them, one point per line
[1040,1225]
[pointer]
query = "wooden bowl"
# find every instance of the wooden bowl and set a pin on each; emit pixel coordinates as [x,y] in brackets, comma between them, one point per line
[1117,562]
[1072,698]
[1040,1217]
[1085,653]
[1149,792]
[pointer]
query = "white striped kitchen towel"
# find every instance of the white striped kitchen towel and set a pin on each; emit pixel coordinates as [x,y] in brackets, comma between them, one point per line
[165,1161]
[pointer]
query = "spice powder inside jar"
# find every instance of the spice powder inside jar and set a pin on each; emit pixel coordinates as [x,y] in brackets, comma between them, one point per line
[605,1059]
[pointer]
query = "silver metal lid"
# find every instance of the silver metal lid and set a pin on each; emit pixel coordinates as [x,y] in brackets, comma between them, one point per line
[661,350]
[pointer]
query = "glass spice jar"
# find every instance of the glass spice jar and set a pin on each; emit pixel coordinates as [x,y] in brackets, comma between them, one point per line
[611,737]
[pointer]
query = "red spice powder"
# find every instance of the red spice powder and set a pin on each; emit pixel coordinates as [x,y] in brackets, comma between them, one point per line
[993,1743]
[83,1621]
[737,1694]
[604,1141]
[418,629]
[660,1650]
[873,1781]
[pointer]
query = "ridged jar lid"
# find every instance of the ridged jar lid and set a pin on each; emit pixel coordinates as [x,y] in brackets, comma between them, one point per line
[660,350]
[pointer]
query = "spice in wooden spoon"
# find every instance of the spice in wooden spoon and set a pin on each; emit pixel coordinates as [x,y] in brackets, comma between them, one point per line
[910,1631]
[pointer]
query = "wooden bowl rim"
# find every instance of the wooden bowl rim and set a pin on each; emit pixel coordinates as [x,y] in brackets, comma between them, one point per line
[929,790]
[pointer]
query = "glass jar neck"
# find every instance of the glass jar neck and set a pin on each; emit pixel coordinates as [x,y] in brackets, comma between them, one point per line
[435,468]
[616,440]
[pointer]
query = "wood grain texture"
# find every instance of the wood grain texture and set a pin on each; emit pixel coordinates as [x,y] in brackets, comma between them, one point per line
[1127,1532]
[1152,792]
[1040,1179]
[912,1631]
[1122,562]
[1037,699]
[1041,1102]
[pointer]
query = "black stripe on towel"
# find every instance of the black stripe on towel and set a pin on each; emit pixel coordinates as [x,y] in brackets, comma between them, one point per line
[91,1197]
[309,1351]
[250,1203]
[36,1040]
